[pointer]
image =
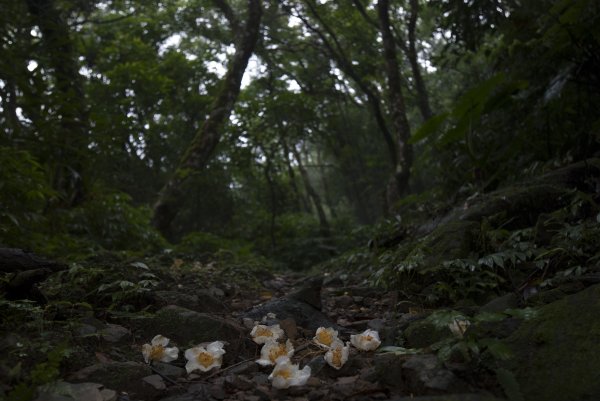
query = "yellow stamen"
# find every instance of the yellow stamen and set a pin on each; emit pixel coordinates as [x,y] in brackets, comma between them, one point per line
[276,352]
[156,353]
[337,357]
[205,359]
[325,337]
[285,373]
[368,338]
[262,332]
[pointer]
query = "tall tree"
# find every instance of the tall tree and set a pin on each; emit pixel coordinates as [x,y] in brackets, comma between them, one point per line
[71,115]
[404,152]
[172,195]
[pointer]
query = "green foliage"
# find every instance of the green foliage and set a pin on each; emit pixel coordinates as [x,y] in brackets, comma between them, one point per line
[206,244]
[42,373]
[24,192]
[464,344]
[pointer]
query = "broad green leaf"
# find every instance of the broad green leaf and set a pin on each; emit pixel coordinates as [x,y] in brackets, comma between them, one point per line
[429,127]
[509,384]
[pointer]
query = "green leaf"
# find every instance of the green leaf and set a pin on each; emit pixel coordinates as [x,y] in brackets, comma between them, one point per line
[429,127]
[509,384]
[497,348]
[398,350]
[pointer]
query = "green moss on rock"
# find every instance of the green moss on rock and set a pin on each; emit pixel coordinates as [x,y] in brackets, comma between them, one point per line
[556,354]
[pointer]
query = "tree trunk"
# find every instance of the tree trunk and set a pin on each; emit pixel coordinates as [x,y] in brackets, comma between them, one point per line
[199,152]
[72,138]
[325,186]
[398,184]
[300,199]
[411,54]
[324,225]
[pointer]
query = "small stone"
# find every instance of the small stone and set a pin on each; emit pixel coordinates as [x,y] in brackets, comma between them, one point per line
[108,395]
[238,383]
[358,299]
[168,370]
[155,381]
[344,301]
[313,382]
[113,333]
[217,392]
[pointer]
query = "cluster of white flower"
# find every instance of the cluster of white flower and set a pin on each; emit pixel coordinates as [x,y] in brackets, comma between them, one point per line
[202,358]
[274,352]
[277,353]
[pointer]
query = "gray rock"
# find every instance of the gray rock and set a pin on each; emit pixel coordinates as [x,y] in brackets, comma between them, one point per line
[120,376]
[64,391]
[188,328]
[169,370]
[114,333]
[424,374]
[155,381]
[451,397]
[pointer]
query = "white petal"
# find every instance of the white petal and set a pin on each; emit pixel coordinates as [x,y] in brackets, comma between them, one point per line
[160,340]
[325,332]
[216,347]
[300,377]
[343,357]
[146,351]
[192,353]
[192,365]
[170,354]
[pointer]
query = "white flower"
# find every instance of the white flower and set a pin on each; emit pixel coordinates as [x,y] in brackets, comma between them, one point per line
[158,351]
[273,350]
[337,355]
[366,341]
[459,326]
[205,358]
[285,374]
[261,333]
[324,337]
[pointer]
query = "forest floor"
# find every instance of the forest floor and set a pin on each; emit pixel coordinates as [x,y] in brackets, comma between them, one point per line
[499,299]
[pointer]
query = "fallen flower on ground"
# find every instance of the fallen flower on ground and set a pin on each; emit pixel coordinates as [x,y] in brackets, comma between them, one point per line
[157,350]
[286,374]
[272,350]
[324,337]
[459,326]
[261,333]
[366,341]
[337,355]
[205,359]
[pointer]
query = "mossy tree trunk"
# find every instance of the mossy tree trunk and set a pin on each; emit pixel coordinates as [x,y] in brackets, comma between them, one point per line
[70,138]
[201,149]
[398,184]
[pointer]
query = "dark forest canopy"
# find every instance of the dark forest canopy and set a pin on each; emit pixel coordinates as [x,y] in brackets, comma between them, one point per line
[282,126]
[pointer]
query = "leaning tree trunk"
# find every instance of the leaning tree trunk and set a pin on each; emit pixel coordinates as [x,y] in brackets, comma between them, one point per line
[72,138]
[398,184]
[323,223]
[199,152]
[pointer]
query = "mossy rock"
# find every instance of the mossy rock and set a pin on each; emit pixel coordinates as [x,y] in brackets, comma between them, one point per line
[556,354]
[422,333]
[452,240]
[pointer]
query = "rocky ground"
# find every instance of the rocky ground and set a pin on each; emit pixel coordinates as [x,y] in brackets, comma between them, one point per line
[107,363]
[497,300]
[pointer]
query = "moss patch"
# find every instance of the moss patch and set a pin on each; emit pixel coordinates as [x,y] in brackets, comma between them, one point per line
[556,354]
